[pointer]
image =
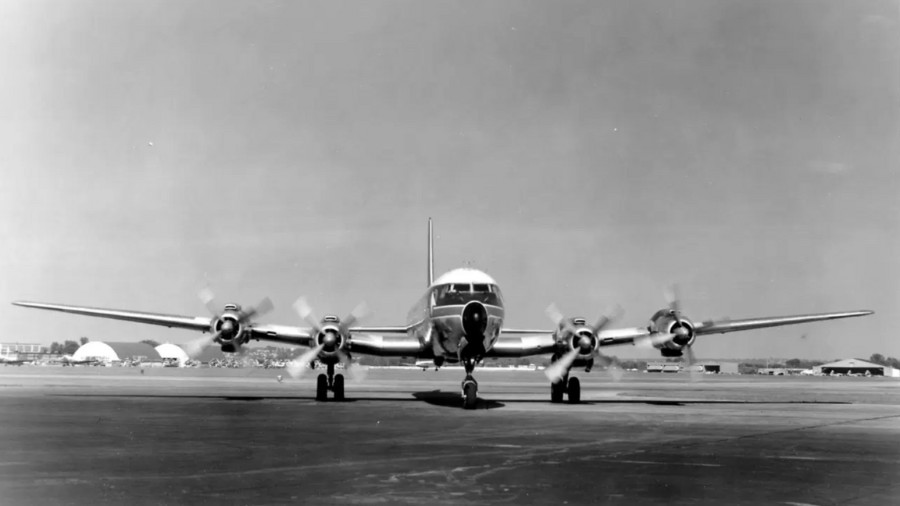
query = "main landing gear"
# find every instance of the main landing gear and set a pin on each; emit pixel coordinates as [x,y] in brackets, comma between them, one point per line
[330,381]
[469,386]
[566,385]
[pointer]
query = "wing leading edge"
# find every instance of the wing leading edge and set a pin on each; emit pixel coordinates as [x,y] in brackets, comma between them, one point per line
[200,323]
[723,326]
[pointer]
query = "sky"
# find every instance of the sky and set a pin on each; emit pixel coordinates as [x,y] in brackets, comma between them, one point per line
[582,153]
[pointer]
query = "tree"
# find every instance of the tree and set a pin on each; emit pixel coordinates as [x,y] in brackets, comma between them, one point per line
[878,358]
[151,342]
[55,348]
[83,341]
[793,363]
[69,347]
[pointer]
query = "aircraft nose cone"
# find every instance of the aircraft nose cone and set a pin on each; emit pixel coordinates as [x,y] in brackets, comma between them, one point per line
[680,332]
[329,340]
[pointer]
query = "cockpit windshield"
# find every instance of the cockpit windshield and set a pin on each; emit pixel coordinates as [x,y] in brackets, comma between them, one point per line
[461,293]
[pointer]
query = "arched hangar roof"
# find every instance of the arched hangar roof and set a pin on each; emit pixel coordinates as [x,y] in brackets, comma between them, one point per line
[115,351]
[169,350]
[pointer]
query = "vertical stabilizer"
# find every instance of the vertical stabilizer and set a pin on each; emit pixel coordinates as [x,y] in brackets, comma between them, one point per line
[430,254]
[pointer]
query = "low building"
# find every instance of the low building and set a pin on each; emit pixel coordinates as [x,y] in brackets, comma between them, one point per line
[23,351]
[663,367]
[718,367]
[855,366]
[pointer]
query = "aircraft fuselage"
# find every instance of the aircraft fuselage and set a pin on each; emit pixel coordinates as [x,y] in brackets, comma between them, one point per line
[464,315]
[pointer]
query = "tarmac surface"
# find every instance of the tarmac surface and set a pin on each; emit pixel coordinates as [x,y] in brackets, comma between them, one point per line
[93,435]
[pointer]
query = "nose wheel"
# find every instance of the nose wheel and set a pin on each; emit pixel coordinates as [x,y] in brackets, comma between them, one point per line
[566,386]
[469,386]
[330,381]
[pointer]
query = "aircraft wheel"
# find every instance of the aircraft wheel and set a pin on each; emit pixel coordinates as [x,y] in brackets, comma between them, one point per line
[322,388]
[338,387]
[556,392]
[470,394]
[574,391]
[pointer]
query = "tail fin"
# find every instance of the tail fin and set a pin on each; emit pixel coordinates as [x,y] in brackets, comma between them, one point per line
[430,254]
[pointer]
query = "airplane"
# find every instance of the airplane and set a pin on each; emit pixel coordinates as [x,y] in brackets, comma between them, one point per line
[427,364]
[5,360]
[67,360]
[459,319]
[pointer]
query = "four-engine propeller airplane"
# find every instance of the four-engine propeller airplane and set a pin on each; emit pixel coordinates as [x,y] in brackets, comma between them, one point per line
[459,319]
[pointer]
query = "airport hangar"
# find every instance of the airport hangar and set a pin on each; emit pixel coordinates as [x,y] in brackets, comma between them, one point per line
[857,366]
[143,352]
[115,352]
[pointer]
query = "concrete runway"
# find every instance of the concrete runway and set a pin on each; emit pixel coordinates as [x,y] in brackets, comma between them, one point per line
[169,436]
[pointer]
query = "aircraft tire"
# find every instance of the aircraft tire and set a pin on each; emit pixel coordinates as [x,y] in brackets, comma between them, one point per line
[338,387]
[556,392]
[322,388]
[574,391]
[470,394]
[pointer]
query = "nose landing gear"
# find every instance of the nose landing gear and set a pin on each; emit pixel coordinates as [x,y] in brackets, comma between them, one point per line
[469,386]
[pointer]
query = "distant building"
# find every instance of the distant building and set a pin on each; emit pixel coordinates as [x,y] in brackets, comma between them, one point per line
[857,366]
[663,367]
[24,351]
[704,367]
[718,367]
[116,352]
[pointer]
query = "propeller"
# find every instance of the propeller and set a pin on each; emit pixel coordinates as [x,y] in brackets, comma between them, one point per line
[306,312]
[653,340]
[558,369]
[297,367]
[674,300]
[360,312]
[196,346]
[355,372]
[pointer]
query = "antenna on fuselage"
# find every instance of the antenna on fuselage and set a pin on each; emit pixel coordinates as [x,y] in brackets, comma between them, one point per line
[430,254]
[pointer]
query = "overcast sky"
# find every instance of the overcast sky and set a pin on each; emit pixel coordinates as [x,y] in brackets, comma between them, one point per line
[583,153]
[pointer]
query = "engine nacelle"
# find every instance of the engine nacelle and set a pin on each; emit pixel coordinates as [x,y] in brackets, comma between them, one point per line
[332,341]
[580,338]
[227,329]
[664,321]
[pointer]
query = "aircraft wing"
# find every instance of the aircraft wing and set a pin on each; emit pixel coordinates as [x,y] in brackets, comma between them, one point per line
[523,346]
[200,323]
[392,346]
[525,331]
[282,334]
[380,330]
[725,325]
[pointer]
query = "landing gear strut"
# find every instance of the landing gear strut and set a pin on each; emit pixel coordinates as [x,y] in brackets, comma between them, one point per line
[469,386]
[330,381]
[566,385]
